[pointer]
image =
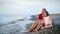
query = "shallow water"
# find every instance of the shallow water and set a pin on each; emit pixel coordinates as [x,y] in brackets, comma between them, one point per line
[18,24]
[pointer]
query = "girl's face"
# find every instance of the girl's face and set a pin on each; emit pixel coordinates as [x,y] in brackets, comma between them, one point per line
[43,13]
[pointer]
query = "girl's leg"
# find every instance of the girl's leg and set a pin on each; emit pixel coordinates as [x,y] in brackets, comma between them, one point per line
[33,26]
[38,27]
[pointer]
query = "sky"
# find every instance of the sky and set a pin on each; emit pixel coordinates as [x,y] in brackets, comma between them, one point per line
[28,7]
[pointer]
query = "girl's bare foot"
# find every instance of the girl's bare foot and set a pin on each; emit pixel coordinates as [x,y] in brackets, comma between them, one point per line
[35,30]
[30,30]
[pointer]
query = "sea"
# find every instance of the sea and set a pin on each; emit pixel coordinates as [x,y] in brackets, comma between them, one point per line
[19,24]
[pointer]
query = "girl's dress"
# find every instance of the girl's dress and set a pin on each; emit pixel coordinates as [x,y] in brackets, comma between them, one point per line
[48,22]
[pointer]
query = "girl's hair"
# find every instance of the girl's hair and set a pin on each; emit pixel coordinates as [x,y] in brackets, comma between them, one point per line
[46,11]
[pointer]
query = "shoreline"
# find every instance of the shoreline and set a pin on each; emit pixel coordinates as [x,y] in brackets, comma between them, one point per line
[58,14]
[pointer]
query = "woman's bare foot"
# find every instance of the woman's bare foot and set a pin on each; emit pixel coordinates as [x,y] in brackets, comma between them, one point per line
[35,30]
[30,30]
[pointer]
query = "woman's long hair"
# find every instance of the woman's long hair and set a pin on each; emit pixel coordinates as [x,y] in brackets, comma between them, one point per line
[46,11]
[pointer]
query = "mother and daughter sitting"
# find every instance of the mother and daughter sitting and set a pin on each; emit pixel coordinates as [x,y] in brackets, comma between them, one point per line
[44,21]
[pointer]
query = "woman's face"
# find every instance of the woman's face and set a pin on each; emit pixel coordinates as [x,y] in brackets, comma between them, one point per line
[43,13]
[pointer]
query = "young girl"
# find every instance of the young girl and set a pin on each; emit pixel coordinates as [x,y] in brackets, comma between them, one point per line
[44,22]
[47,19]
[35,26]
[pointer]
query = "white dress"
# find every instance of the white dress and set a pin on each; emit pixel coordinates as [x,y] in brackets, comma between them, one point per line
[48,21]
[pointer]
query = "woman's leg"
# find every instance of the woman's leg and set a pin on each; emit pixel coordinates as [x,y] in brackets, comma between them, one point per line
[33,26]
[38,27]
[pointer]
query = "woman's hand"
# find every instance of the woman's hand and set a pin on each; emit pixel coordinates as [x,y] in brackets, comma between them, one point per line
[48,25]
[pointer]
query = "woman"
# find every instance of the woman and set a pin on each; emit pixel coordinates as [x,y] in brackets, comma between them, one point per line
[47,19]
[45,22]
[36,25]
